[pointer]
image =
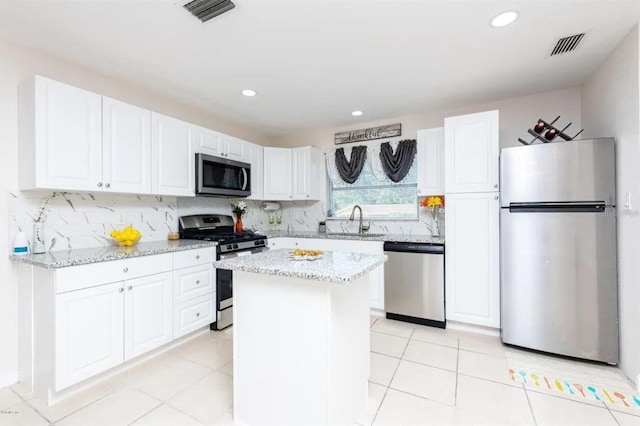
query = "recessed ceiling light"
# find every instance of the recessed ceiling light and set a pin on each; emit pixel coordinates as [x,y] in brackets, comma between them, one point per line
[249,92]
[357,113]
[504,19]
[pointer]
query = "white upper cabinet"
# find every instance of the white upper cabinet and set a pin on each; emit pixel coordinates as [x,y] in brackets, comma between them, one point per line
[233,148]
[472,259]
[431,162]
[173,171]
[205,141]
[255,157]
[306,173]
[60,137]
[471,153]
[277,174]
[126,147]
[292,174]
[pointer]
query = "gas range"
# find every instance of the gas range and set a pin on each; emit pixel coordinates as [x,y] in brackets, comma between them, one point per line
[219,228]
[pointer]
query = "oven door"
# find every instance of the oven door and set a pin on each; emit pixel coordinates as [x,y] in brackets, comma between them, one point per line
[217,176]
[224,278]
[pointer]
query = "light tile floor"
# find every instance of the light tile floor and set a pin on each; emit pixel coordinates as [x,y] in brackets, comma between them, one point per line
[420,375]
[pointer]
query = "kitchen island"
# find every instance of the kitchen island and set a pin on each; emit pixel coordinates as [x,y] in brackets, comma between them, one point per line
[301,337]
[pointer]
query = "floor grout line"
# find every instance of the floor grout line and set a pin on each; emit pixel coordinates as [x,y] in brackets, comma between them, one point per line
[154,408]
[89,404]
[455,394]
[421,397]
[526,395]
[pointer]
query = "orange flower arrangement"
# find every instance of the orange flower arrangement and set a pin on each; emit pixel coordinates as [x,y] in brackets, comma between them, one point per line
[433,201]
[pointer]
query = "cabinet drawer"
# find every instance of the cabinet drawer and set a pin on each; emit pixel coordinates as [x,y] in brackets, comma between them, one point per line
[187,258]
[193,282]
[91,275]
[192,315]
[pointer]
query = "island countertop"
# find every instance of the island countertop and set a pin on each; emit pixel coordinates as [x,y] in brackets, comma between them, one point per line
[333,267]
[83,256]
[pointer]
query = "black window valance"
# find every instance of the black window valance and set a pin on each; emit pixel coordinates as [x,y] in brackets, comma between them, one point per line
[350,170]
[396,166]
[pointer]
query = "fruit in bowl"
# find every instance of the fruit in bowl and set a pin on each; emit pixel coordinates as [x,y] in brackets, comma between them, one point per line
[127,236]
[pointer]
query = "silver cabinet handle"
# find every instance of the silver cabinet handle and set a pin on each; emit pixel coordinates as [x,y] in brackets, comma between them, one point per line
[307,195]
[108,185]
[197,282]
[99,184]
[495,185]
[125,270]
[197,256]
[130,288]
[197,314]
[120,289]
[495,198]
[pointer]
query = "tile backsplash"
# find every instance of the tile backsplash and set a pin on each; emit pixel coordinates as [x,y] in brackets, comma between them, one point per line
[80,220]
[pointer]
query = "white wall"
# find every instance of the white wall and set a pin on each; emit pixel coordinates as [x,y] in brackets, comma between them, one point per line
[611,107]
[516,116]
[17,64]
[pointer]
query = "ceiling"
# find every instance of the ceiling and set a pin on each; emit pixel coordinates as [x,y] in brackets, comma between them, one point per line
[312,62]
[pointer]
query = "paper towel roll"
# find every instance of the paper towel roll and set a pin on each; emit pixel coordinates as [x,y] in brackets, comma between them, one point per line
[270,206]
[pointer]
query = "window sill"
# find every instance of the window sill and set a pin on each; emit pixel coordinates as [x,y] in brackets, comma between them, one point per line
[374,219]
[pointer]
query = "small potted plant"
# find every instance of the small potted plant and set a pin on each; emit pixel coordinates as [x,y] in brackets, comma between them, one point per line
[239,208]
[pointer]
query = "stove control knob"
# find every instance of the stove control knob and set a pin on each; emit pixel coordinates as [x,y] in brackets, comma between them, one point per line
[256,243]
[229,247]
[235,246]
[261,242]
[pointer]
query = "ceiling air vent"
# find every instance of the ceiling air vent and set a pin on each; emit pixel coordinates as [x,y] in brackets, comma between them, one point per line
[566,44]
[208,9]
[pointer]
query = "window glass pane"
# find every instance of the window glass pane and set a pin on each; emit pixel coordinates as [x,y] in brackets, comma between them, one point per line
[382,199]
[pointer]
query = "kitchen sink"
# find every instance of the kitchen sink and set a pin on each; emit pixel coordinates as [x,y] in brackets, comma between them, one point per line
[354,234]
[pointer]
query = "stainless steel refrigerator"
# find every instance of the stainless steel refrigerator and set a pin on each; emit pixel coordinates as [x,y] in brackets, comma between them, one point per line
[558,248]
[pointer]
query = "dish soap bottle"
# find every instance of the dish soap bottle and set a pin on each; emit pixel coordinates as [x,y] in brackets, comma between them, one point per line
[20,244]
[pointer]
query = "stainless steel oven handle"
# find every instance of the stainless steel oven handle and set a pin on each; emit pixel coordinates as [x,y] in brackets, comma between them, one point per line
[235,254]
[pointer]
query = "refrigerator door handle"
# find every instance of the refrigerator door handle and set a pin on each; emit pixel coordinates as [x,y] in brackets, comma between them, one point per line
[559,207]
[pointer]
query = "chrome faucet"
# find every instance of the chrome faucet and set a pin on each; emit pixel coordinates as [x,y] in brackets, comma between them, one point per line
[361,227]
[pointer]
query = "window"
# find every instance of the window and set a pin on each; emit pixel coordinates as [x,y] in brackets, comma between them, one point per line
[379,199]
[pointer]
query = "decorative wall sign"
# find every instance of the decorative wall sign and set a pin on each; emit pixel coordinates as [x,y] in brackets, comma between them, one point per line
[368,134]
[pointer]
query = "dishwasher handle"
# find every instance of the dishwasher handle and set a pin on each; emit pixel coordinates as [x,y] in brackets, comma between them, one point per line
[426,248]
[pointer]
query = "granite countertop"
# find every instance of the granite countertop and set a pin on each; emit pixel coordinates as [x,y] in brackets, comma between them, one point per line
[334,267]
[83,256]
[360,237]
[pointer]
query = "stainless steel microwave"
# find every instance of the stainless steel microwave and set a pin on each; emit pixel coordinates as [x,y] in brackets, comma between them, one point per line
[221,177]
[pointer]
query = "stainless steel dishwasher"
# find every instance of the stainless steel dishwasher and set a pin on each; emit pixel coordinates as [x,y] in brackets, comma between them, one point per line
[414,283]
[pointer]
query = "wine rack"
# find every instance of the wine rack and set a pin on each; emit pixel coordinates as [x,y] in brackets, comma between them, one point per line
[546,132]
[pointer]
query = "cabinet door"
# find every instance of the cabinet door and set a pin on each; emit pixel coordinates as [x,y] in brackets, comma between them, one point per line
[68,137]
[126,147]
[471,153]
[205,141]
[148,311]
[431,162]
[256,159]
[376,287]
[89,333]
[172,161]
[277,174]
[301,175]
[472,259]
[234,148]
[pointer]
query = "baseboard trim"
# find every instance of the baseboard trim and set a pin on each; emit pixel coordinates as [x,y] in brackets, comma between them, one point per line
[472,328]
[9,378]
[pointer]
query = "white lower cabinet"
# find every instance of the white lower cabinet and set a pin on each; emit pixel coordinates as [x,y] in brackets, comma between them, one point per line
[89,333]
[472,258]
[376,277]
[193,314]
[86,319]
[148,306]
